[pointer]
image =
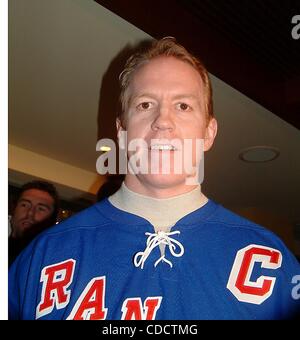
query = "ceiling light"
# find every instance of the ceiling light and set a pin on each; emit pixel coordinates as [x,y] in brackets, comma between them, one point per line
[105,148]
[259,154]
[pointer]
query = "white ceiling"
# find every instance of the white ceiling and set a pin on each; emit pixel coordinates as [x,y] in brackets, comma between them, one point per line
[59,52]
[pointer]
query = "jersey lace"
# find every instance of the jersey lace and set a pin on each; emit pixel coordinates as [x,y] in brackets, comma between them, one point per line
[154,240]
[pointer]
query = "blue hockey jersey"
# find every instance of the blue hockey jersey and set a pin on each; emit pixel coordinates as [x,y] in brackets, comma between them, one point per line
[84,268]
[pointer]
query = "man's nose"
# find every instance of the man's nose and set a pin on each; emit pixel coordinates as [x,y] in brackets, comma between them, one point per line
[163,120]
[31,212]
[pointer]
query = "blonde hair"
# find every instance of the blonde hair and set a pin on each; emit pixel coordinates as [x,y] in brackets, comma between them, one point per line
[170,48]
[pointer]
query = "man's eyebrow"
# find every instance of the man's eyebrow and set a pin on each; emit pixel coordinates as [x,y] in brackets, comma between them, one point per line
[186,96]
[140,95]
[176,97]
[24,200]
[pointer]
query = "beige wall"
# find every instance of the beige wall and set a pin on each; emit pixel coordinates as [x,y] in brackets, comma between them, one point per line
[21,161]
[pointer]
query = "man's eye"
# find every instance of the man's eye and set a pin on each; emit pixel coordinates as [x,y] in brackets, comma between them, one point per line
[144,106]
[24,205]
[42,209]
[183,107]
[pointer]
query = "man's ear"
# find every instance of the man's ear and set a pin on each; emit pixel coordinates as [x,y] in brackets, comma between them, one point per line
[210,133]
[120,133]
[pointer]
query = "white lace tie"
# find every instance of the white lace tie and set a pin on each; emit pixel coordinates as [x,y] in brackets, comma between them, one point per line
[154,240]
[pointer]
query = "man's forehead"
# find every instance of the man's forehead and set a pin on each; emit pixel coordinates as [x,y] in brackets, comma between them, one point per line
[37,195]
[166,64]
[166,74]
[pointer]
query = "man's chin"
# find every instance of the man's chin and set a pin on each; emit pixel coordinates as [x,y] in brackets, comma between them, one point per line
[23,228]
[165,181]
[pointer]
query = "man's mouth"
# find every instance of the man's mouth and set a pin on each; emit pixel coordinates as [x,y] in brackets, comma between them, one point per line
[27,223]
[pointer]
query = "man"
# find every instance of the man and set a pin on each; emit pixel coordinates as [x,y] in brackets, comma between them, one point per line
[35,210]
[157,248]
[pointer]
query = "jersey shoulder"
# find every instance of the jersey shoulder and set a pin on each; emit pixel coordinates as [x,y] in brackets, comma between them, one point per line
[91,217]
[234,224]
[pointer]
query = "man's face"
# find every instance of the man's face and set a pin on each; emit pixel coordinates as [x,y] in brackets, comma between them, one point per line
[33,207]
[166,103]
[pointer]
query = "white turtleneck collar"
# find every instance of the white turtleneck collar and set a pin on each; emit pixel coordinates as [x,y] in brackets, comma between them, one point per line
[161,213]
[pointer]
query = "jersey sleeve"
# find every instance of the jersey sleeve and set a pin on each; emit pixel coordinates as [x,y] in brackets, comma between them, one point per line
[23,281]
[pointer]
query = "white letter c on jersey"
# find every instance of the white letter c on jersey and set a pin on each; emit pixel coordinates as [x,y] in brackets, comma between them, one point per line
[239,282]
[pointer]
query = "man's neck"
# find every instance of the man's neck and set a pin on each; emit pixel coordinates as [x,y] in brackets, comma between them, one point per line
[162,213]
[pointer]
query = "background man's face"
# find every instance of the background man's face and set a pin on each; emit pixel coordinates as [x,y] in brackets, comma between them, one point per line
[33,207]
[166,102]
